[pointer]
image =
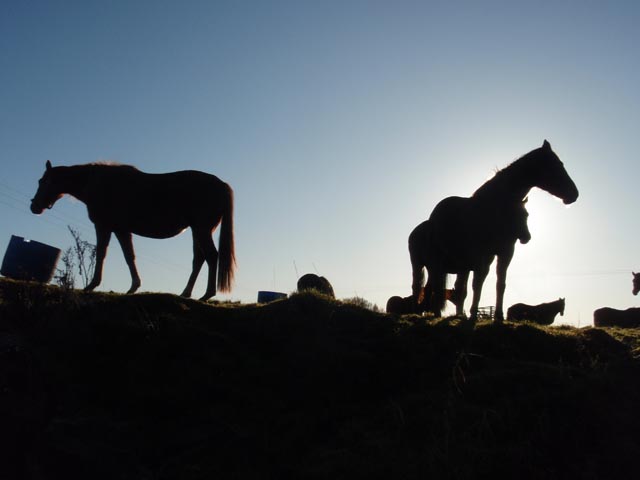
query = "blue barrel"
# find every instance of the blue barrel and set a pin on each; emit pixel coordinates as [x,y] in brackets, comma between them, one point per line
[29,260]
[266,296]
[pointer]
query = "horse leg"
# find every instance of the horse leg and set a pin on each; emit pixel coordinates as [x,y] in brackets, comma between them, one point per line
[418,294]
[479,276]
[205,242]
[460,291]
[198,260]
[102,243]
[126,243]
[434,292]
[417,273]
[501,272]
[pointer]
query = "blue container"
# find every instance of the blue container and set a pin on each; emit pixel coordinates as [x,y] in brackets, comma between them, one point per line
[266,297]
[29,260]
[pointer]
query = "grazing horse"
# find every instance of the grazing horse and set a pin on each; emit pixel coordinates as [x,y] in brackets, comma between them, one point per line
[405,305]
[400,305]
[611,317]
[636,283]
[543,314]
[465,234]
[123,200]
[311,281]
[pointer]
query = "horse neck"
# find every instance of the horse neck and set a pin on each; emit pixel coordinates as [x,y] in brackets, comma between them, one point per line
[75,180]
[510,184]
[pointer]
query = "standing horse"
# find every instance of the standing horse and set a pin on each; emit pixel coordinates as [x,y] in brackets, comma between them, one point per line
[123,200]
[515,228]
[465,234]
[543,314]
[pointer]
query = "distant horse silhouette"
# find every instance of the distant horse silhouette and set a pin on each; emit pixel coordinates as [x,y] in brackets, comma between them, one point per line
[123,200]
[543,314]
[405,305]
[611,317]
[400,305]
[465,234]
[311,281]
[636,283]
[515,228]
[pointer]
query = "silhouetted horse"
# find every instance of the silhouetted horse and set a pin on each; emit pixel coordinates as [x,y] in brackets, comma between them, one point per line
[123,200]
[515,228]
[400,305]
[611,317]
[465,234]
[405,305]
[311,281]
[636,283]
[543,314]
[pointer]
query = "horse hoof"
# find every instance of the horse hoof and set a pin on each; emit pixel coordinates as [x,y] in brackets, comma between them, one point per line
[207,296]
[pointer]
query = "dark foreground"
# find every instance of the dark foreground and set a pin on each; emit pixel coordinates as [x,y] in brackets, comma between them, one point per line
[153,386]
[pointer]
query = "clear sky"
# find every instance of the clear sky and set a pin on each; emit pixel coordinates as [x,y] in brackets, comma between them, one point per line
[340,125]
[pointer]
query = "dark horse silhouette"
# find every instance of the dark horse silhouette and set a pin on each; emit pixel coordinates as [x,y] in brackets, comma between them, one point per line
[465,234]
[636,283]
[611,317]
[123,200]
[311,281]
[515,228]
[406,305]
[543,314]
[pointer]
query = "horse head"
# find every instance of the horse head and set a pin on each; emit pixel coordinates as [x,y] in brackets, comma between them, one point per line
[561,306]
[551,175]
[48,191]
[636,283]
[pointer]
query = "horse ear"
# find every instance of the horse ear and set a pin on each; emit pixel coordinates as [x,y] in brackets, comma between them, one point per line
[48,164]
[546,145]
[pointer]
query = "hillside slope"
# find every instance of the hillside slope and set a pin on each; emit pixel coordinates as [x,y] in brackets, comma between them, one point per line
[153,386]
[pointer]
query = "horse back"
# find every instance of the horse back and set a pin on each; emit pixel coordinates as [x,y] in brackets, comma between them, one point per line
[156,205]
[611,317]
[519,311]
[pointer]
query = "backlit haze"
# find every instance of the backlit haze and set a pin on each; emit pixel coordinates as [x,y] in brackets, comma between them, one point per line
[339,125]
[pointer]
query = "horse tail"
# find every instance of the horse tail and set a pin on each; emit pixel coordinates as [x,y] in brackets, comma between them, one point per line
[227,258]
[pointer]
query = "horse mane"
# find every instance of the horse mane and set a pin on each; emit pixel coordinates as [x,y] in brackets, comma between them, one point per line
[104,167]
[517,167]
[108,163]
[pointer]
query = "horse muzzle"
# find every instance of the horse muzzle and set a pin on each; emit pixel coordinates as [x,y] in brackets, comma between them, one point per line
[37,209]
[569,199]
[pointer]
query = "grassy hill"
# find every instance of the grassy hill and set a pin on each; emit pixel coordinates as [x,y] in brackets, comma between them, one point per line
[153,386]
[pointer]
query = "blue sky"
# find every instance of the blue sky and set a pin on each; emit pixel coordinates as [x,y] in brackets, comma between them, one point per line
[340,125]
